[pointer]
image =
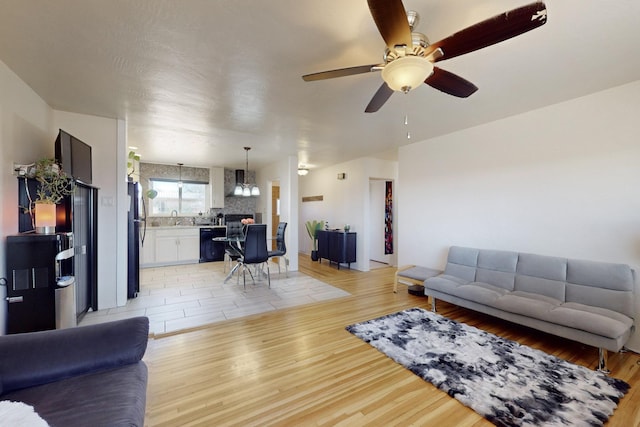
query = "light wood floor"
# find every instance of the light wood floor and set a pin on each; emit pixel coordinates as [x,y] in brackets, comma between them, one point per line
[299,367]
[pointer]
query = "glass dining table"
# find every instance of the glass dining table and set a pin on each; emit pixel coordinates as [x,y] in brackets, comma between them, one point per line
[236,244]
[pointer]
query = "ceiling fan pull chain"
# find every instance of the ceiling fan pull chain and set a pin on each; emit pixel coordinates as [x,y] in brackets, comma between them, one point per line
[406,117]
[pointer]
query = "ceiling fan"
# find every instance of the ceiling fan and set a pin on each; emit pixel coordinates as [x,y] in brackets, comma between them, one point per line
[409,57]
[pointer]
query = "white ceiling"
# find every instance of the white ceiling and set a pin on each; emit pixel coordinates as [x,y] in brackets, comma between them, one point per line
[196,80]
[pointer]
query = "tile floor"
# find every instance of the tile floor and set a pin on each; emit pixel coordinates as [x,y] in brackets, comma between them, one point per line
[188,296]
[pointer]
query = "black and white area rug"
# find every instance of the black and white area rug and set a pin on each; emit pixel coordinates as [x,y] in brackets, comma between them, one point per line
[508,383]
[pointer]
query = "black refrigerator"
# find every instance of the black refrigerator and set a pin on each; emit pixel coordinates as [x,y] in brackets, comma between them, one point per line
[136,228]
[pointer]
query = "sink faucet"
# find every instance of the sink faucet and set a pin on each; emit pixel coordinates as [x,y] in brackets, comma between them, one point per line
[174,214]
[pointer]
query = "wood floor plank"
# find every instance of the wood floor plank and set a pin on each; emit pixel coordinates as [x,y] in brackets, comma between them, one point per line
[299,366]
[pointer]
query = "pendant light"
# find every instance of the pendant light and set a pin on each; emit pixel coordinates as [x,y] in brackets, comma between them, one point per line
[245,189]
[180,172]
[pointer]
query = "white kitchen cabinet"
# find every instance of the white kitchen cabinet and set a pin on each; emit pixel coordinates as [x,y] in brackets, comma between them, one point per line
[216,176]
[189,248]
[173,246]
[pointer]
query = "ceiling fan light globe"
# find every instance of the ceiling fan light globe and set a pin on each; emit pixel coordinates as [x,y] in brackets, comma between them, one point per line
[246,192]
[238,190]
[255,191]
[406,73]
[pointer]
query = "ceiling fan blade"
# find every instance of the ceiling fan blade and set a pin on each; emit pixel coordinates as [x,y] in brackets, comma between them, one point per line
[341,72]
[378,100]
[492,31]
[450,83]
[391,20]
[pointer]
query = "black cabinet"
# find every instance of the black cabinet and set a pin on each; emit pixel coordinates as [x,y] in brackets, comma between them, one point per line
[337,246]
[77,213]
[33,271]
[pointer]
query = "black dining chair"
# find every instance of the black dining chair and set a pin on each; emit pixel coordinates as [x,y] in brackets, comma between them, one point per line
[231,249]
[281,248]
[254,250]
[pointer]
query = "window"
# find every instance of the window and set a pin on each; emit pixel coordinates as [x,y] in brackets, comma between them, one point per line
[189,200]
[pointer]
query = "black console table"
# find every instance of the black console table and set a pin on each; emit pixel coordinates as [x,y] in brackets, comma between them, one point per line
[337,246]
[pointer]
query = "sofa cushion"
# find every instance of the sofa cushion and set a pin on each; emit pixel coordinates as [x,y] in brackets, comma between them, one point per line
[116,397]
[496,278]
[596,320]
[527,304]
[545,267]
[463,272]
[70,351]
[498,260]
[497,268]
[619,301]
[461,262]
[617,277]
[549,288]
[444,283]
[482,293]
[463,256]
[418,273]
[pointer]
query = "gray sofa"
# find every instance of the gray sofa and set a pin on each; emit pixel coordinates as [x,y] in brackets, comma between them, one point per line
[586,301]
[84,376]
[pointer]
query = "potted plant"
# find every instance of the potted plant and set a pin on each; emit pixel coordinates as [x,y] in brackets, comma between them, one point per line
[312,228]
[133,159]
[53,185]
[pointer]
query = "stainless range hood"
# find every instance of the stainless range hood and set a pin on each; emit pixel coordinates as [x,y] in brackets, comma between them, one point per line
[239,181]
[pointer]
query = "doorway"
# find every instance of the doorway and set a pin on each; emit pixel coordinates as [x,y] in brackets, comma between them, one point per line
[381,226]
[275,211]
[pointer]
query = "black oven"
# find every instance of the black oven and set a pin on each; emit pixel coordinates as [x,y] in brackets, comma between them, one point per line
[210,250]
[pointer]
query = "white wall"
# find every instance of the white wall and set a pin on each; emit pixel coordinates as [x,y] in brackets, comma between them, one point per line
[25,136]
[28,128]
[562,180]
[102,135]
[344,201]
[286,173]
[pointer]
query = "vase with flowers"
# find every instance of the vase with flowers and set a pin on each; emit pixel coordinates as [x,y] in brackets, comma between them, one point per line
[245,222]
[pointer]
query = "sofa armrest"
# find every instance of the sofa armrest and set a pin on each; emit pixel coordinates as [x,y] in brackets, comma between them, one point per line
[35,358]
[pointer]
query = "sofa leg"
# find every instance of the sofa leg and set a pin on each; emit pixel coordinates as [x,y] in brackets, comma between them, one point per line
[602,360]
[433,304]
